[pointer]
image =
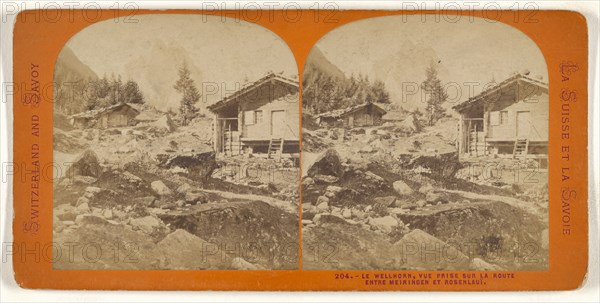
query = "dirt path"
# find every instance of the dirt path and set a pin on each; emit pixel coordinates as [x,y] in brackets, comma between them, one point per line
[523,205]
[283,205]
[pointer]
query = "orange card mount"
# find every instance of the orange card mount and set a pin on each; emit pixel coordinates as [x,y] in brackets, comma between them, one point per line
[335,150]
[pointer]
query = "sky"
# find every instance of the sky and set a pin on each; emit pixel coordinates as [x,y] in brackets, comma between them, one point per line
[224,53]
[398,49]
[220,53]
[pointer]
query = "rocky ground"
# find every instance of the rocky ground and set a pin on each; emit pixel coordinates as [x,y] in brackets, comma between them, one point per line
[396,196]
[155,196]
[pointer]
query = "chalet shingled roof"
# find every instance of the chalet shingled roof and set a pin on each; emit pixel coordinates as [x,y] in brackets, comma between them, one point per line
[95,112]
[343,111]
[506,83]
[235,97]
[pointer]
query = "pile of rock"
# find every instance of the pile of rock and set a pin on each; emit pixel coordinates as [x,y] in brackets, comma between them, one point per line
[70,217]
[419,250]
[87,164]
[200,165]
[323,212]
[327,168]
[165,198]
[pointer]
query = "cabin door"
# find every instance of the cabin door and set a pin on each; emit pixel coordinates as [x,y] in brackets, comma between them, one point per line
[278,124]
[523,126]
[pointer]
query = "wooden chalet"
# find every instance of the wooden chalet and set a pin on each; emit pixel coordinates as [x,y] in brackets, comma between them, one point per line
[118,115]
[509,119]
[261,118]
[366,114]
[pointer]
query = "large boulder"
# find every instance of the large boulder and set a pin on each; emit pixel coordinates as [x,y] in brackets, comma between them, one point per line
[184,188]
[164,123]
[241,264]
[422,251]
[184,250]
[410,124]
[433,197]
[86,164]
[160,188]
[146,224]
[387,201]
[83,208]
[322,199]
[200,165]
[478,264]
[328,164]
[385,224]
[443,165]
[323,207]
[195,197]
[82,200]
[402,188]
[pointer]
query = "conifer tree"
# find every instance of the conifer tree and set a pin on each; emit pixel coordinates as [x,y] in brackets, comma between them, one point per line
[190,96]
[436,95]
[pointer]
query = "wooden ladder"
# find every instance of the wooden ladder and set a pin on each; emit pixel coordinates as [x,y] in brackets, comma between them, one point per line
[275,148]
[477,146]
[521,148]
[231,143]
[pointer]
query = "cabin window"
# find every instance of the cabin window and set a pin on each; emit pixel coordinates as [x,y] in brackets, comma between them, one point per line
[494,118]
[504,117]
[249,117]
[258,116]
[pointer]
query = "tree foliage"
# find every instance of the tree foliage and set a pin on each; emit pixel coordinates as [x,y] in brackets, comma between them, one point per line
[436,95]
[322,92]
[90,94]
[190,96]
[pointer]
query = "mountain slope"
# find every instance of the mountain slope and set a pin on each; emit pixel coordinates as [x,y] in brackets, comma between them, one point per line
[157,70]
[70,78]
[318,63]
[325,87]
[404,69]
[69,68]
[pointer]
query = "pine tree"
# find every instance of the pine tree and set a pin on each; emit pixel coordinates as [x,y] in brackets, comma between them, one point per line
[322,92]
[352,87]
[115,84]
[432,86]
[381,94]
[186,86]
[131,93]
